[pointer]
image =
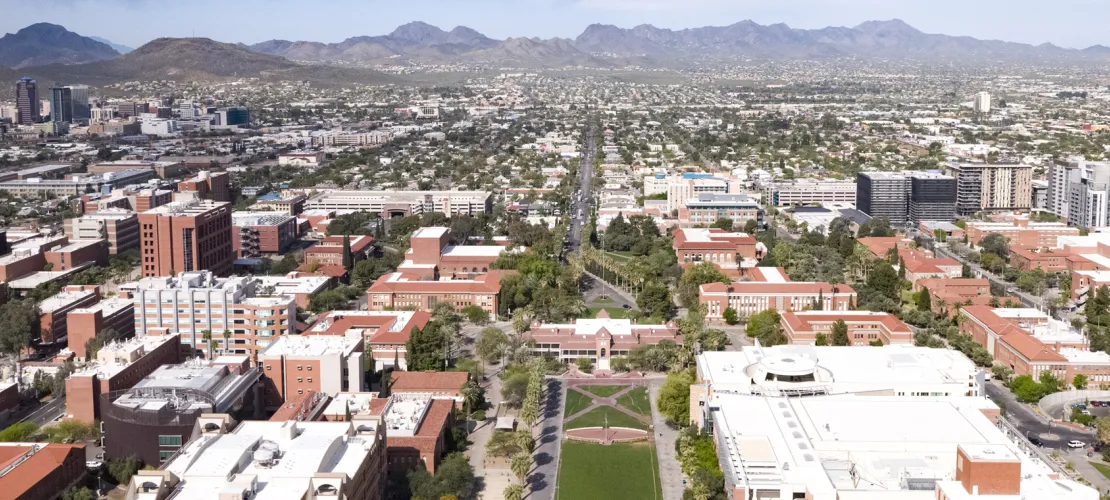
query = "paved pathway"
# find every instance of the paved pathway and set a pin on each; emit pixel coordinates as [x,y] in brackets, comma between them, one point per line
[490,479]
[670,473]
[546,457]
[1079,459]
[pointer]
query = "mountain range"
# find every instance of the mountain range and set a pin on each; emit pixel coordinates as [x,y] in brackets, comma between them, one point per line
[52,53]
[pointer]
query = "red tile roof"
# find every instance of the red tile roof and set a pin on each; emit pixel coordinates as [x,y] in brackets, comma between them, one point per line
[428,381]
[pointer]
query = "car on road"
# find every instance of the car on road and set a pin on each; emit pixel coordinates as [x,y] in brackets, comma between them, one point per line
[1076,444]
[1036,441]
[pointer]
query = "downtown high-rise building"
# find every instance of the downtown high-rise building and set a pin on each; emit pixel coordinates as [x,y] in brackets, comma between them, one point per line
[80,95]
[27,101]
[906,197]
[991,187]
[61,104]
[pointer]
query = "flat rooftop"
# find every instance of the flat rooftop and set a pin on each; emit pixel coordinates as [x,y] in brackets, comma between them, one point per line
[821,445]
[114,357]
[284,285]
[312,345]
[841,369]
[429,232]
[283,456]
[187,208]
[249,219]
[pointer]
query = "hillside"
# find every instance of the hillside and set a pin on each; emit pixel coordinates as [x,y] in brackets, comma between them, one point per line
[44,43]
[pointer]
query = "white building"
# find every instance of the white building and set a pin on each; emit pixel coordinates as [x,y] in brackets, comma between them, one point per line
[982,102]
[282,460]
[809,191]
[877,447]
[404,203]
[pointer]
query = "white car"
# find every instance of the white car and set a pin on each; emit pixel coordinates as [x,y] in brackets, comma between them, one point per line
[1076,444]
[93,464]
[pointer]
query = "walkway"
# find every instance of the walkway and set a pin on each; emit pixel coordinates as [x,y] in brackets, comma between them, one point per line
[602,287]
[546,457]
[670,472]
[1083,466]
[493,481]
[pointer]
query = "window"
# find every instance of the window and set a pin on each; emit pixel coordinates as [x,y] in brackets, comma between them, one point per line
[299,368]
[267,367]
[309,367]
[310,380]
[169,441]
[299,379]
[165,455]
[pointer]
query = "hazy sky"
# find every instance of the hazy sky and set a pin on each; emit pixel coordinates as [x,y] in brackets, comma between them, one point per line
[1070,23]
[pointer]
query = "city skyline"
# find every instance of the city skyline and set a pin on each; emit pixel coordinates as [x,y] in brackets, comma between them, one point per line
[1023,21]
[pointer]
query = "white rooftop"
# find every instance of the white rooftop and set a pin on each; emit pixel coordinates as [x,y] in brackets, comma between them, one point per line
[62,300]
[312,345]
[838,370]
[114,357]
[398,324]
[283,458]
[473,251]
[429,232]
[905,446]
[405,413]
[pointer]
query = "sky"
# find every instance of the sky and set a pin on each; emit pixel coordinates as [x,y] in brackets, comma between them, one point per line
[1072,23]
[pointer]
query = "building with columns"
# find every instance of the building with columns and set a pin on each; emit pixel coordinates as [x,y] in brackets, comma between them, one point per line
[598,339]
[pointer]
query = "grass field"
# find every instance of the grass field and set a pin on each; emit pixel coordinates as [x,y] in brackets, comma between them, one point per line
[590,471]
[602,390]
[602,415]
[637,401]
[620,256]
[614,312]
[1104,469]
[576,402]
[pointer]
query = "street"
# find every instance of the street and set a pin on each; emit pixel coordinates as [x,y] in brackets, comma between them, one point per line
[580,208]
[1031,424]
[47,412]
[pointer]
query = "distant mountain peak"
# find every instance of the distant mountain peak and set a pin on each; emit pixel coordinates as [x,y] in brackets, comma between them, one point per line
[418,32]
[46,43]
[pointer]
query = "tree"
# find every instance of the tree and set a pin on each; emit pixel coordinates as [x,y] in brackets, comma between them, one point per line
[1079,382]
[821,339]
[491,344]
[520,464]
[19,325]
[924,300]
[1102,424]
[731,316]
[425,348]
[723,223]
[348,257]
[695,276]
[206,336]
[475,314]
[766,326]
[655,301]
[840,333]
[121,469]
[78,493]
[751,226]
[454,476]
[513,492]
[674,396]
[514,388]
[997,244]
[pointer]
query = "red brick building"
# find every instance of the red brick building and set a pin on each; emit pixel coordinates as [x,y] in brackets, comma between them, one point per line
[431,256]
[385,332]
[259,233]
[117,314]
[54,311]
[438,384]
[329,251]
[77,254]
[752,297]
[186,236]
[597,339]
[208,186]
[40,471]
[118,366]
[732,253]
[404,291]
[864,327]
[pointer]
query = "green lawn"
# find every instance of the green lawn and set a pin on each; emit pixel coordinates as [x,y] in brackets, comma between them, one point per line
[602,415]
[614,312]
[590,471]
[602,390]
[1104,469]
[637,401]
[620,256]
[576,402]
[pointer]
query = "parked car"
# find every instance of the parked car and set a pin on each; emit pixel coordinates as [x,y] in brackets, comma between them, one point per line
[1036,441]
[1076,444]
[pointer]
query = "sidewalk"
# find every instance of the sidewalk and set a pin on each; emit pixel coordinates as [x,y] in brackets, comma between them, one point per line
[1083,465]
[670,472]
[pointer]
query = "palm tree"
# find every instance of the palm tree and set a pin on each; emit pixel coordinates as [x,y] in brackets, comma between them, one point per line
[523,439]
[471,394]
[206,335]
[227,340]
[513,492]
[520,464]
